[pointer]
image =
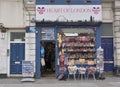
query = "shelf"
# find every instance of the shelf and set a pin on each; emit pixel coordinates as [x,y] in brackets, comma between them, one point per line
[78,51]
[85,64]
[80,41]
[83,58]
[79,47]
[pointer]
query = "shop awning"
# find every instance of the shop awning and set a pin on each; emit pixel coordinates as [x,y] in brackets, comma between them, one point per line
[79,23]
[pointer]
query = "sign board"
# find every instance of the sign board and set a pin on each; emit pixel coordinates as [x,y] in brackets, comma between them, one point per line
[27,69]
[68,12]
[32,29]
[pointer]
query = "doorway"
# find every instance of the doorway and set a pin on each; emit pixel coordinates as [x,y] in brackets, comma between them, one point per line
[17,51]
[49,68]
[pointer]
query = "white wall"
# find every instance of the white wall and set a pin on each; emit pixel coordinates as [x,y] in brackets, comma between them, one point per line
[30,47]
[107,12]
[3,53]
[11,13]
[117,32]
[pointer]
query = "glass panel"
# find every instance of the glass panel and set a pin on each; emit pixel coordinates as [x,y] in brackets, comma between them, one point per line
[47,34]
[107,29]
[17,36]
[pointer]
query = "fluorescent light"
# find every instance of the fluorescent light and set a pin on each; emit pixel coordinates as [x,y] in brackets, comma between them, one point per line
[71,34]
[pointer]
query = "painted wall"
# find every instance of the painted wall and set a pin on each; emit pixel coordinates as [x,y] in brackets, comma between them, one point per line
[30,44]
[14,14]
[11,13]
[107,12]
[3,53]
[117,32]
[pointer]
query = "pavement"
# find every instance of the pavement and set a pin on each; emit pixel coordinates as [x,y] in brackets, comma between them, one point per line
[110,81]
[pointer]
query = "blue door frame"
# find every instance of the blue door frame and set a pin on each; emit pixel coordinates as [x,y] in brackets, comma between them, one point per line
[17,54]
[107,45]
[38,45]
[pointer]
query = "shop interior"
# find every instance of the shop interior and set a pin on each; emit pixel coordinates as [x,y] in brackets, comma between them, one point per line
[49,69]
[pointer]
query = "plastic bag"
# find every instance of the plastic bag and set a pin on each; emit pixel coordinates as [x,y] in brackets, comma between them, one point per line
[42,61]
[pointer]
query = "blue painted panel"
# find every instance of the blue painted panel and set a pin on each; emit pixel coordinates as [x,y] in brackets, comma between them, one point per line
[19,68]
[21,51]
[107,45]
[14,69]
[38,65]
[56,52]
[98,37]
[108,67]
[17,54]
[13,54]
[64,2]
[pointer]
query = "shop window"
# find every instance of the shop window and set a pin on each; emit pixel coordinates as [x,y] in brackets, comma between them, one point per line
[17,36]
[47,34]
[78,46]
[107,29]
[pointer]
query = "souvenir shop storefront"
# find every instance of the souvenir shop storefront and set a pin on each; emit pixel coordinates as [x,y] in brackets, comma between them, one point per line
[69,30]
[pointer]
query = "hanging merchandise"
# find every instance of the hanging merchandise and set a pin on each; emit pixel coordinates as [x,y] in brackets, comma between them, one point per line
[81,60]
[90,62]
[100,62]
[71,63]
[42,62]
[62,58]
[62,68]
[79,49]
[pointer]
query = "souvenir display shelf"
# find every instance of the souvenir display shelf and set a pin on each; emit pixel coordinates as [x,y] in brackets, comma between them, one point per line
[79,49]
[100,60]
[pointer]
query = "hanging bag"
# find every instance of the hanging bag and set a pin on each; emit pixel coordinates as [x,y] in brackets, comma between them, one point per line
[42,61]
[61,77]
[61,58]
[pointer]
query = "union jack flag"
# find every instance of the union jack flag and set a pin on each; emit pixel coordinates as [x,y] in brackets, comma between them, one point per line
[96,10]
[40,10]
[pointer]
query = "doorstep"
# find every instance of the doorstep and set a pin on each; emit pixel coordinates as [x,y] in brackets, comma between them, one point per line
[16,75]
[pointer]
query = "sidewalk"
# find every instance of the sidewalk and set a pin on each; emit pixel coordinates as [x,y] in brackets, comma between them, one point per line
[53,82]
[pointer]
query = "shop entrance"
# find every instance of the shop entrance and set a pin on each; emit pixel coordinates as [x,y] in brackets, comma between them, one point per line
[49,69]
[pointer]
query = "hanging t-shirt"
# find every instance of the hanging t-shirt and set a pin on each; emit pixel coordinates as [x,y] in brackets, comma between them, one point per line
[42,51]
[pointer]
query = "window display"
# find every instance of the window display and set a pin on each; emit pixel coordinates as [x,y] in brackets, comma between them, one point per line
[79,48]
[47,34]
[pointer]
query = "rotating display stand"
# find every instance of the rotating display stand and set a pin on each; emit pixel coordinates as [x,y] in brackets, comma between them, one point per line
[100,61]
